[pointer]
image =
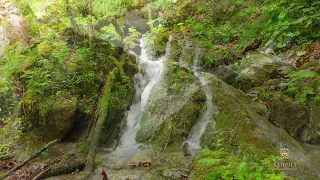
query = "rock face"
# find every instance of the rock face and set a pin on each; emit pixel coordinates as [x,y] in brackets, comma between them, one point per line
[311,133]
[226,74]
[53,118]
[61,122]
[288,114]
[135,19]
[238,123]
[257,68]
[13,26]
[172,111]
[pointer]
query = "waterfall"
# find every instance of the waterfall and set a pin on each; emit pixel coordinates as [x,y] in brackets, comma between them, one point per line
[196,133]
[145,85]
[187,45]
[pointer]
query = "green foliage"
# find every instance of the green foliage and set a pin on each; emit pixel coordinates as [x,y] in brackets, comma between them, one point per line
[132,38]
[209,60]
[109,32]
[158,38]
[221,164]
[178,80]
[235,23]
[286,20]
[21,126]
[298,85]
[4,151]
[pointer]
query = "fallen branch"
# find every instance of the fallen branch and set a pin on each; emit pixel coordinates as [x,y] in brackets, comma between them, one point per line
[39,176]
[36,154]
[62,168]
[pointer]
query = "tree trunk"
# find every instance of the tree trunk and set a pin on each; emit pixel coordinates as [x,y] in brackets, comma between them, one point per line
[96,131]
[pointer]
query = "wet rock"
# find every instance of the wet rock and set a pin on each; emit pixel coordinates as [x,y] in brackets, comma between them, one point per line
[175,107]
[186,149]
[288,114]
[242,126]
[311,132]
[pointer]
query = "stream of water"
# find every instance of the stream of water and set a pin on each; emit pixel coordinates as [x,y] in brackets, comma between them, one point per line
[196,133]
[128,149]
[144,85]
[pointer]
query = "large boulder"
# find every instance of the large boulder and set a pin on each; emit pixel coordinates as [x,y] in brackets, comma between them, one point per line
[226,74]
[241,125]
[53,117]
[134,18]
[288,114]
[257,68]
[175,107]
[61,121]
[238,124]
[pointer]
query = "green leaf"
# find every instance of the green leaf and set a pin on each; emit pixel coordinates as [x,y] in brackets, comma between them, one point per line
[315,34]
[301,53]
[282,85]
[282,45]
[308,90]
[300,20]
[304,74]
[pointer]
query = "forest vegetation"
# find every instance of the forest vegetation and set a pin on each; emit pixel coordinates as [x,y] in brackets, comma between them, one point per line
[70,74]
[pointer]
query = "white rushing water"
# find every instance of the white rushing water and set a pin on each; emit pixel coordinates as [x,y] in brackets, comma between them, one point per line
[145,85]
[196,133]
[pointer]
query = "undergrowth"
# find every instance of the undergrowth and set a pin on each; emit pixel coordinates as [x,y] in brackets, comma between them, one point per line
[220,164]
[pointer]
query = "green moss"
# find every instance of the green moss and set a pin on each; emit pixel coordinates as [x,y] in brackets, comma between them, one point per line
[189,56]
[120,99]
[176,49]
[179,125]
[178,78]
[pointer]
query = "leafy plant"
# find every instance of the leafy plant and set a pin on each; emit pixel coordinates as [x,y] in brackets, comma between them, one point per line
[178,80]
[209,60]
[297,87]
[4,151]
[220,164]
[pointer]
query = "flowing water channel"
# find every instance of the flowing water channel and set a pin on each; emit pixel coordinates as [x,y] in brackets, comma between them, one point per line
[196,133]
[128,149]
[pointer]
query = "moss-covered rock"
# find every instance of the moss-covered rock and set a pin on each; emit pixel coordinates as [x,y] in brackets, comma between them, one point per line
[311,133]
[120,99]
[175,107]
[226,74]
[235,120]
[241,127]
[288,114]
[176,48]
[53,116]
[256,68]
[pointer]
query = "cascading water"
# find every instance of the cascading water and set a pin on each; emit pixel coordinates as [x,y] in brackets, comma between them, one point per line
[144,86]
[195,135]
